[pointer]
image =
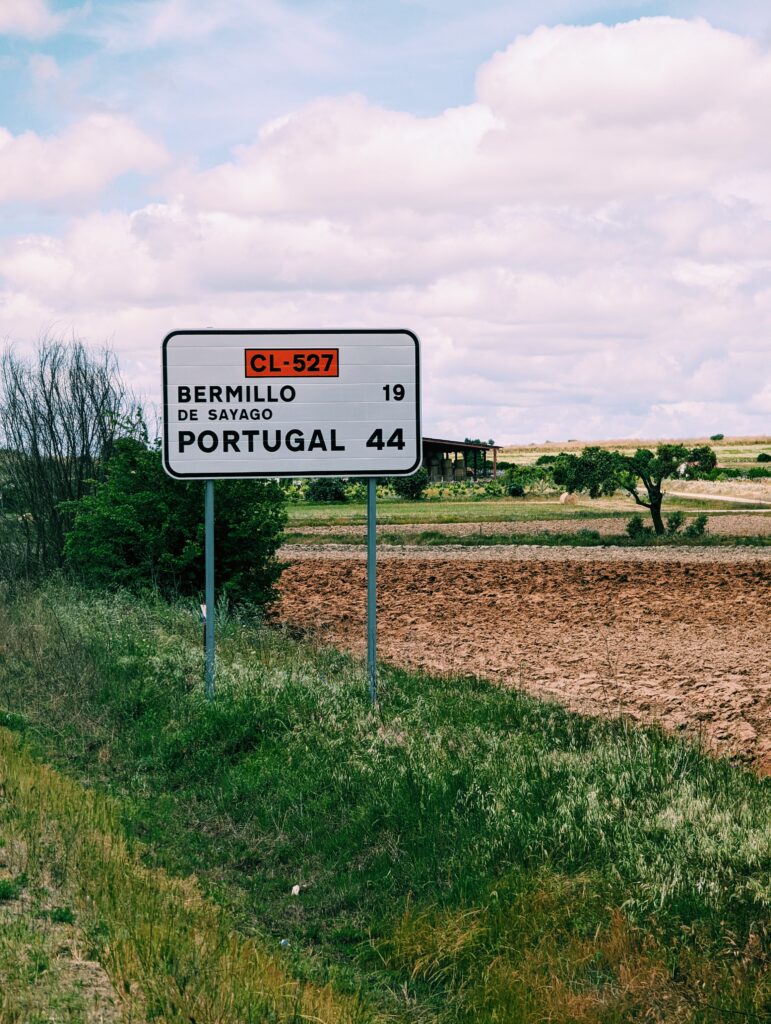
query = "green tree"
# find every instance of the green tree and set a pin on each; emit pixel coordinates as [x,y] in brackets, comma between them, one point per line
[411,487]
[599,471]
[142,528]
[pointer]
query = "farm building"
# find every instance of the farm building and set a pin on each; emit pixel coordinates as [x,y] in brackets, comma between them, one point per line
[458,460]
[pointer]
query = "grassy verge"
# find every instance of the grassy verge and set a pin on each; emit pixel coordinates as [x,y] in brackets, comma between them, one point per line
[464,854]
[169,952]
[581,539]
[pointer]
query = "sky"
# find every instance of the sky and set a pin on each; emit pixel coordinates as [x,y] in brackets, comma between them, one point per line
[569,202]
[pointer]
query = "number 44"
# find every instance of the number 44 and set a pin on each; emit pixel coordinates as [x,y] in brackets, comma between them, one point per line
[396,440]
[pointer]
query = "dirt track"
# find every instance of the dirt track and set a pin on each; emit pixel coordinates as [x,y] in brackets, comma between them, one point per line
[676,636]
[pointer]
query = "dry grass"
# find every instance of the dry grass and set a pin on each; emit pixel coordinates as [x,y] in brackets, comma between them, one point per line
[534,960]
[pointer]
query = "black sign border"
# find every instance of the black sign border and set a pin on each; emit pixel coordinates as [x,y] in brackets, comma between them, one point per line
[303,473]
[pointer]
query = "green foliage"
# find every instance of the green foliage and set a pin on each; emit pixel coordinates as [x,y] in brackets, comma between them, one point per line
[598,471]
[595,470]
[518,480]
[141,528]
[11,888]
[494,489]
[412,488]
[326,488]
[697,526]
[723,473]
[701,461]
[716,437]
[758,473]
[764,457]
[637,529]
[674,522]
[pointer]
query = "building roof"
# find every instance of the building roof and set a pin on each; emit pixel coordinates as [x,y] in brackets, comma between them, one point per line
[458,446]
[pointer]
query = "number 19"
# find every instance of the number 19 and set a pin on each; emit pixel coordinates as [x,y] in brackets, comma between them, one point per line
[397,390]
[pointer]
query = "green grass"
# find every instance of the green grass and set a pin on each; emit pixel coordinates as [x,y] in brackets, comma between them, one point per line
[464,854]
[450,510]
[391,512]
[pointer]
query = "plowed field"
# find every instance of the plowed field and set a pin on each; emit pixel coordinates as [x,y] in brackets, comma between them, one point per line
[676,636]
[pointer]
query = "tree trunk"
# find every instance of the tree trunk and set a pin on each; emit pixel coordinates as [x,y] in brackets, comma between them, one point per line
[658,522]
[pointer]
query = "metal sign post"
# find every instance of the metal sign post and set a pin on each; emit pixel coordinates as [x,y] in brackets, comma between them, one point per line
[209,589]
[372,588]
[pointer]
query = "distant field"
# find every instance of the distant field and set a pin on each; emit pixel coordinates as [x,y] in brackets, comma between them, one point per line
[732,452]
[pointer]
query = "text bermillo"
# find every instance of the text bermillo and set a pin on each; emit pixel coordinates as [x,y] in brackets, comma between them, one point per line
[240,393]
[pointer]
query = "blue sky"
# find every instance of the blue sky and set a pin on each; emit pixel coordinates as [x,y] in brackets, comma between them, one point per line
[577,267]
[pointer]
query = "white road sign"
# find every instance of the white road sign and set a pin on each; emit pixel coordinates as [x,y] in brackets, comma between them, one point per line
[291,403]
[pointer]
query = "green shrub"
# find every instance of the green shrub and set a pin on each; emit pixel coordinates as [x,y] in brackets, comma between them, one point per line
[764,457]
[326,488]
[356,490]
[494,489]
[758,473]
[141,528]
[637,529]
[716,437]
[674,522]
[723,473]
[412,488]
[697,526]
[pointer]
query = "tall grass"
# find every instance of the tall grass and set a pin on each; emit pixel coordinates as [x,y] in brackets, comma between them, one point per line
[462,851]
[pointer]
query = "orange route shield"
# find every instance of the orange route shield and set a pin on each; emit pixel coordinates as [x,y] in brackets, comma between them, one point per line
[292,362]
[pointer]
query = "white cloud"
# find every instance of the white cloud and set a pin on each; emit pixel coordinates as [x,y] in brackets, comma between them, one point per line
[43,68]
[29,18]
[79,161]
[584,250]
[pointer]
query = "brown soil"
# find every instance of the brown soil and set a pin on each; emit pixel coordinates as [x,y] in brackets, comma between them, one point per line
[674,636]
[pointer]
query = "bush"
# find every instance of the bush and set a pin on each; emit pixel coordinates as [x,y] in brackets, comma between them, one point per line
[494,489]
[758,473]
[637,529]
[412,488]
[141,528]
[517,480]
[674,522]
[764,457]
[716,437]
[697,526]
[326,488]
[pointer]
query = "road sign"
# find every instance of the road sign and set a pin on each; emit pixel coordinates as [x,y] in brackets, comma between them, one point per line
[291,403]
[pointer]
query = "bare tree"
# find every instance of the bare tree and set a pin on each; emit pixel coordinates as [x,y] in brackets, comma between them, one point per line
[60,415]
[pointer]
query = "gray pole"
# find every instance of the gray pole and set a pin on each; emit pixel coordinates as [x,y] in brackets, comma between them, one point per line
[372,588]
[209,531]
